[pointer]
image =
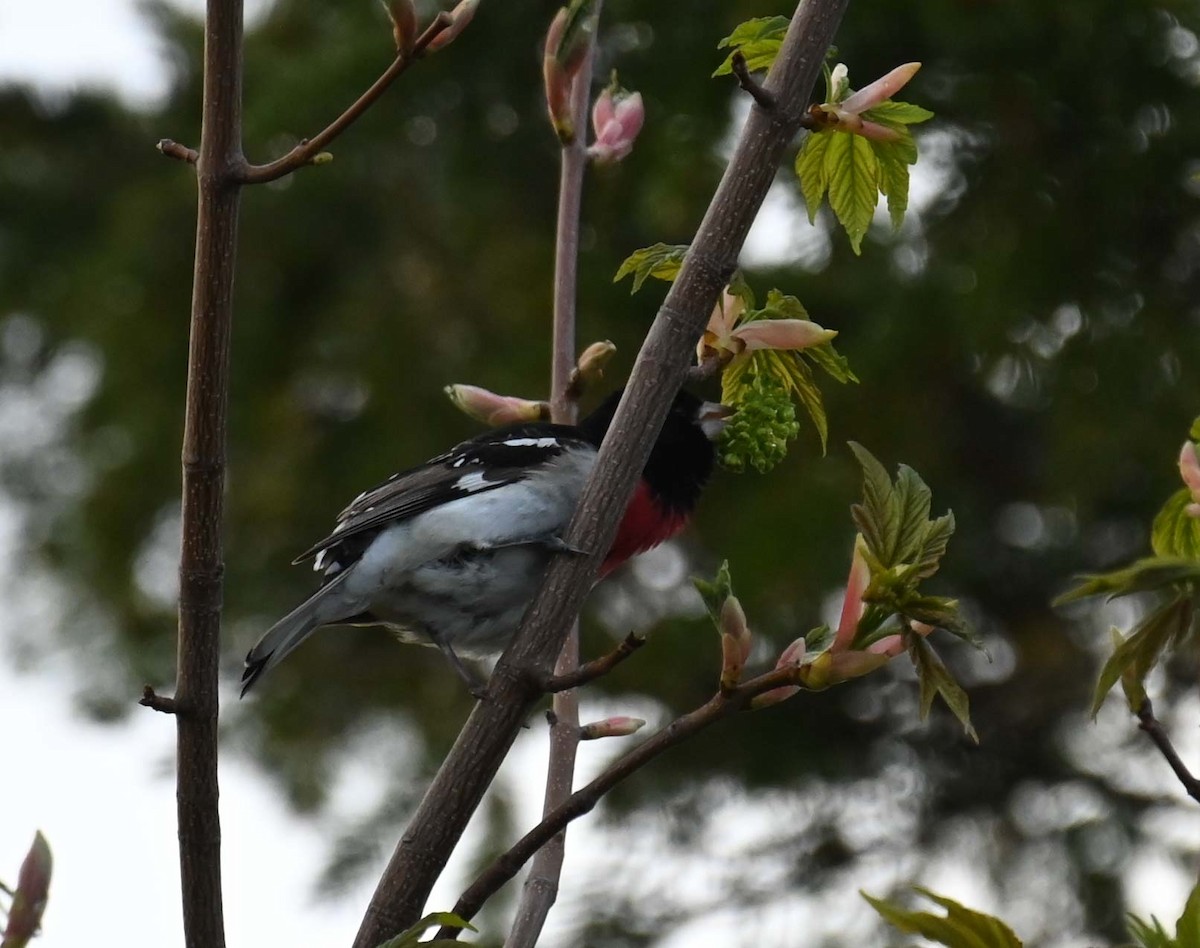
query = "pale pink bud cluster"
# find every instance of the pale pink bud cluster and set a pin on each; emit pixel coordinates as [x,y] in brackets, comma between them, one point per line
[619,726]
[31,895]
[724,337]
[460,16]
[846,115]
[562,62]
[1189,470]
[736,642]
[403,15]
[617,117]
[493,409]
[589,367]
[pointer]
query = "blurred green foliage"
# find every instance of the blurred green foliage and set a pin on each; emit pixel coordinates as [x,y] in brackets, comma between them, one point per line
[1027,342]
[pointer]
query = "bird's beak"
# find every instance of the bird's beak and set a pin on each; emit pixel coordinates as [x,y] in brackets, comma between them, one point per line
[712,418]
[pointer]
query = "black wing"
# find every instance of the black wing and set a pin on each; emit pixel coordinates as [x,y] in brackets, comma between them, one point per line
[491,460]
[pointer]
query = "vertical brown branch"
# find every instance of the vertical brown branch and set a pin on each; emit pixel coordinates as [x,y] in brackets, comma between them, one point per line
[484,741]
[201,566]
[541,885]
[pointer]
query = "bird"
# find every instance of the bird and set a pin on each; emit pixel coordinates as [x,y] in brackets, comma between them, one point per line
[449,553]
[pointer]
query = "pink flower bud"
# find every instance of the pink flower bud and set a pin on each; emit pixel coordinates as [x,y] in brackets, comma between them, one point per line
[404,24]
[567,43]
[793,654]
[1189,469]
[460,16]
[29,900]
[879,90]
[736,642]
[593,359]
[616,119]
[782,334]
[619,726]
[493,409]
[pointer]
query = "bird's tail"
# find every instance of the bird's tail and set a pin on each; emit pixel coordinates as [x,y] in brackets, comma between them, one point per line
[323,607]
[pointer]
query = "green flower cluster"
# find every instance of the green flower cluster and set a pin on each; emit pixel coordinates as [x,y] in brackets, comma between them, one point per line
[765,421]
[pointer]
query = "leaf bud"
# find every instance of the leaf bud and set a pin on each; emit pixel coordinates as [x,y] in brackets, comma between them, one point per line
[493,409]
[619,726]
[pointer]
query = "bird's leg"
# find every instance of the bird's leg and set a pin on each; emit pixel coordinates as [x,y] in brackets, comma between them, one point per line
[477,688]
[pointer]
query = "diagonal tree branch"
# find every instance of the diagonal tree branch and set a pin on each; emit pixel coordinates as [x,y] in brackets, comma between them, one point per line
[717,708]
[468,770]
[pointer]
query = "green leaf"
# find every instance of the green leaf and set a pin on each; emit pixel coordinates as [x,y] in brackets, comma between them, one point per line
[1150,935]
[798,377]
[913,499]
[940,612]
[1175,532]
[933,545]
[878,516]
[1144,575]
[1187,928]
[1138,654]
[758,40]
[740,288]
[853,174]
[661,261]
[810,171]
[780,306]
[894,175]
[960,927]
[715,593]
[1194,433]
[835,365]
[900,113]
[935,680]
[411,937]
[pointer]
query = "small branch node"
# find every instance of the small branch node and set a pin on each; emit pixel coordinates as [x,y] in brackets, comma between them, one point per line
[173,149]
[156,702]
[766,101]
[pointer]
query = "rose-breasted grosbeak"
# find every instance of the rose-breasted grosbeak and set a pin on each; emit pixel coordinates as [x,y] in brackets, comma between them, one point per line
[450,553]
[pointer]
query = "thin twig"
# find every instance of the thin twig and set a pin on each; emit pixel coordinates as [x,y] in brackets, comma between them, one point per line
[173,149]
[469,769]
[718,707]
[760,95]
[596,668]
[1153,727]
[307,151]
[157,702]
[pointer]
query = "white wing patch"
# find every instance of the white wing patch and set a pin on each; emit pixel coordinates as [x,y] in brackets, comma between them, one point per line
[531,443]
[470,482]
